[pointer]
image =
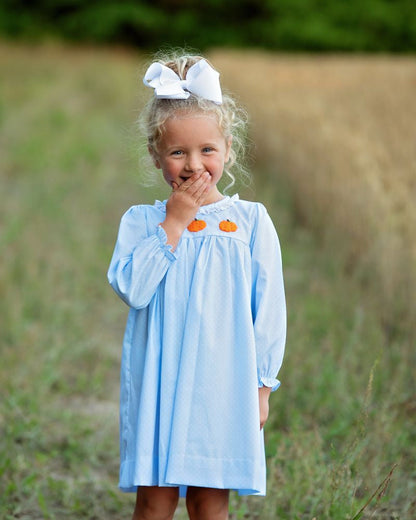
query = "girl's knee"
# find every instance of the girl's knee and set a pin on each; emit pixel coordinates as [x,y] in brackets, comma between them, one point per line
[207,503]
[155,503]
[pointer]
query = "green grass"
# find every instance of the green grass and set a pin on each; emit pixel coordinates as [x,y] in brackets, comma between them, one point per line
[344,415]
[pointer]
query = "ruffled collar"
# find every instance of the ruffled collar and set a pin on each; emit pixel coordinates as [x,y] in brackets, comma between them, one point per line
[220,205]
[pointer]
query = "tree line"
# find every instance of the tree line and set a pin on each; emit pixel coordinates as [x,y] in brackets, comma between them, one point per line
[288,25]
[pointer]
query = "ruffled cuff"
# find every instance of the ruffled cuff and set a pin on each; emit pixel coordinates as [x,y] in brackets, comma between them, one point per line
[270,382]
[166,248]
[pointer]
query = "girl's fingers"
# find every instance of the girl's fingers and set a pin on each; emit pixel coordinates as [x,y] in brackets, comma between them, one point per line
[193,191]
[202,191]
[197,185]
[189,182]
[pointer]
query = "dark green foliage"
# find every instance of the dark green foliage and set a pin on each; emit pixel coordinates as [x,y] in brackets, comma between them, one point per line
[295,25]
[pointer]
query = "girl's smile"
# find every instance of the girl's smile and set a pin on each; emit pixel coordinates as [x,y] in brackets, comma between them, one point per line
[189,145]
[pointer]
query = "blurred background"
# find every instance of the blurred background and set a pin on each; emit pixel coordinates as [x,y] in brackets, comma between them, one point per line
[330,89]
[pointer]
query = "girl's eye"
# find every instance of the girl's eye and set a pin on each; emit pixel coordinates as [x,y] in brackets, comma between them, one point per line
[207,149]
[176,152]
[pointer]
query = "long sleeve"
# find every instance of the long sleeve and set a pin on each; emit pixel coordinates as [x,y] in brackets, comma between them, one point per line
[268,300]
[140,260]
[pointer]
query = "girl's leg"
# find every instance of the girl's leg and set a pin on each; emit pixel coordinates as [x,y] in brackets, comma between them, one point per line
[155,503]
[207,503]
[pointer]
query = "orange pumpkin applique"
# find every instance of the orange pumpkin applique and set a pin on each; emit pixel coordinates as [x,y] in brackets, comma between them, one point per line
[197,225]
[227,225]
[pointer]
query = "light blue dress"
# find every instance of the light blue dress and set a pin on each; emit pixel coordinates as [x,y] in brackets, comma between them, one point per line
[206,328]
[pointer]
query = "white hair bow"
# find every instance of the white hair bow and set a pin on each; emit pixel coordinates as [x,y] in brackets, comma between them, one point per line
[201,80]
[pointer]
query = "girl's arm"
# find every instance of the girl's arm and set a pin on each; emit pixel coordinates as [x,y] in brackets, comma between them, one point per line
[268,300]
[140,260]
[142,257]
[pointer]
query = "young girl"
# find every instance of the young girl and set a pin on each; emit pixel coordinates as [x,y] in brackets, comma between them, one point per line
[202,275]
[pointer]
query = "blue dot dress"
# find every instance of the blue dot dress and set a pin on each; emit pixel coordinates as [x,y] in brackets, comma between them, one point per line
[206,328]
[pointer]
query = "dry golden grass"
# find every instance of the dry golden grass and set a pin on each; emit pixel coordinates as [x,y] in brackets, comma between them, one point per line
[342,131]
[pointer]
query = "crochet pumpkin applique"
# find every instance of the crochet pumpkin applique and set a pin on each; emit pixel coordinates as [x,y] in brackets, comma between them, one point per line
[225,225]
[197,225]
[228,226]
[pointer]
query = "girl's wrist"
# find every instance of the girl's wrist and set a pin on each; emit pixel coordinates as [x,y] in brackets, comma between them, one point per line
[173,231]
[174,225]
[265,391]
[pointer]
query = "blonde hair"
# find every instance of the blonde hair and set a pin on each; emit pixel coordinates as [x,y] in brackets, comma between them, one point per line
[231,118]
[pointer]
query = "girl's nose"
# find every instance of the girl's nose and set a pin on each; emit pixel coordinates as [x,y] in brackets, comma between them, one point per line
[193,163]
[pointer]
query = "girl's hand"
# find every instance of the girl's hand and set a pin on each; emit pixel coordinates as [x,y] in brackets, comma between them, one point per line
[264,394]
[183,204]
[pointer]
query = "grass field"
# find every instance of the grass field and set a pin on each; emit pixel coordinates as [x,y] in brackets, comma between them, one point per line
[334,165]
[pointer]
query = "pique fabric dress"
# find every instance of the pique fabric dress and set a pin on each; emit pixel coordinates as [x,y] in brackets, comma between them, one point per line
[206,328]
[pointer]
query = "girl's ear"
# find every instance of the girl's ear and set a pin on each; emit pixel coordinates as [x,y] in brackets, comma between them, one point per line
[153,155]
[228,144]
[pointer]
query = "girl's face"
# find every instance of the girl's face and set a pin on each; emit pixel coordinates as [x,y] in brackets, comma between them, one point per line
[193,144]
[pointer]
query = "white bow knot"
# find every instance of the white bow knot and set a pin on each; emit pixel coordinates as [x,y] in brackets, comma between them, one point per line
[201,80]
